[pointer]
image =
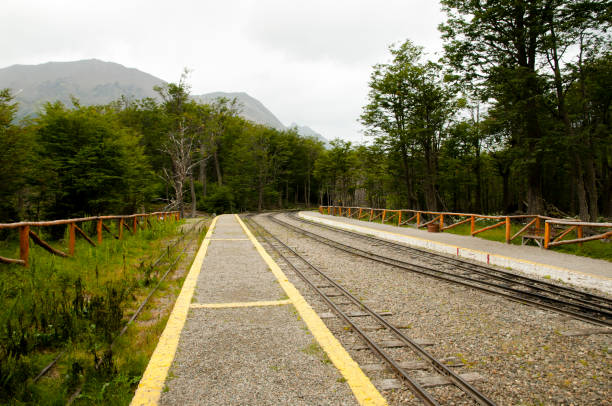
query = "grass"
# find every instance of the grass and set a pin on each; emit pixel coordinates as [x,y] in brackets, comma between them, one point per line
[76,307]
[594,249]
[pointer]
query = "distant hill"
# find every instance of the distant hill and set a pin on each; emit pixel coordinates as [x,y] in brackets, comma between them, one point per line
[251,108]
[306,131]
[94,81]
[91,81]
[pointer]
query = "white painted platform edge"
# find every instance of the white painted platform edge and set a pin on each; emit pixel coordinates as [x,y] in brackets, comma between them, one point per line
[529,267]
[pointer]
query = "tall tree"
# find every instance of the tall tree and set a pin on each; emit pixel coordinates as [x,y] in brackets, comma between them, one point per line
[181,139]
[503,46]
[410,108]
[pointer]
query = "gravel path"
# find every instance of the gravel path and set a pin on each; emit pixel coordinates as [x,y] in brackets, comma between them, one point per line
[251,355]
[521,351]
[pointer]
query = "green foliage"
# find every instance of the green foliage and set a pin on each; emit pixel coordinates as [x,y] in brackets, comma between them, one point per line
[16,160]
[409,109]
[88,163]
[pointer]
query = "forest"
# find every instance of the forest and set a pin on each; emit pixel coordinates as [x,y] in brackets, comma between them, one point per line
[515,117]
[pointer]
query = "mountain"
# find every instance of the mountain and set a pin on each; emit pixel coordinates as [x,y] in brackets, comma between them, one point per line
[251,108]
[306,131]
[94,81]
[91,81]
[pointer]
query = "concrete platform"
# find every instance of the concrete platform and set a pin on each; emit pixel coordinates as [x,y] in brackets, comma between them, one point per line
[247,337]
[573,269]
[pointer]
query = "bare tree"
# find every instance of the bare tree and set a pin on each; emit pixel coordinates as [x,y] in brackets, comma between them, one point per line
[180,147]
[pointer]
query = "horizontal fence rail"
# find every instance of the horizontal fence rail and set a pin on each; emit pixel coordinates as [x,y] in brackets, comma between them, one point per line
[26,233]
[544,231]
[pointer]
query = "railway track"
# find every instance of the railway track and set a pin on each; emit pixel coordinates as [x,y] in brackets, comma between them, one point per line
[580,305]
[356,315]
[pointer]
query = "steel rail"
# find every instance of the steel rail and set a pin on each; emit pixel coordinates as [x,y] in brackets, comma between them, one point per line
[416,348]
[533,299]
[585,298]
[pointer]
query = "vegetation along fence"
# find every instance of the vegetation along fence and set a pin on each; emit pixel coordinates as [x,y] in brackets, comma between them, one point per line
[545,231]
[26,232]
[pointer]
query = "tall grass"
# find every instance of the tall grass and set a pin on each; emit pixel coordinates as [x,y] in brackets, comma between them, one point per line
[74,306]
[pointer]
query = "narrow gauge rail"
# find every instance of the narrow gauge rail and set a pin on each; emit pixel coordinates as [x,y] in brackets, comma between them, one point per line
[471,275]
[294,260]
[577,296]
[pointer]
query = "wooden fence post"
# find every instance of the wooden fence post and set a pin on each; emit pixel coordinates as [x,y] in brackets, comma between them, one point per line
[71,239]
[418,219]
[135,225]
[472,225]
[399,218]
[579,233]
[546,233]
[121,228]
[383,216]
[24,244]
[507,230]
[441,222]
[99,230]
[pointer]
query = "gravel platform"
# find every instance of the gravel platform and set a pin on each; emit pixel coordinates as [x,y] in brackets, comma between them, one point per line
[250,355]
[521,351]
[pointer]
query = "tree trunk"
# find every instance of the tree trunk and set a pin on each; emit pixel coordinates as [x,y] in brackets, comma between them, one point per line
[407,178]
[179,198]
[193,196]
[260,196]
[203,169]
[591,187]
[583,210]
[218,168]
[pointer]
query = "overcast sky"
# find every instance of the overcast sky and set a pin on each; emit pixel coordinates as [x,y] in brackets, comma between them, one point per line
[309,61]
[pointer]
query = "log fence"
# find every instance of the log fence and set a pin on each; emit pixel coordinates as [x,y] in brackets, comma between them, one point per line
[26,233]
[546,232]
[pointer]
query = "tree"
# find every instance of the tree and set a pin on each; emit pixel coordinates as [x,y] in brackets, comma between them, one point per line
[16,160]
[410,108]
[89,163]
[180,142]
[502,47]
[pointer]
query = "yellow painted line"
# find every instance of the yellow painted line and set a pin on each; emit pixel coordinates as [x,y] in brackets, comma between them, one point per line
[228,239]
[152,382]
[239,304]
[365,392]
[369,229]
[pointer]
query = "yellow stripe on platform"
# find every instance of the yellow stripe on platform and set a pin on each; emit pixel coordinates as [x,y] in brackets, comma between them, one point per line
[365,392]
[152,382]
[239,304]
[228,239]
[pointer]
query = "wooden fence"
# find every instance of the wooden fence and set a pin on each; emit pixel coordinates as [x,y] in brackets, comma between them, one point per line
[545,231]
[26,233]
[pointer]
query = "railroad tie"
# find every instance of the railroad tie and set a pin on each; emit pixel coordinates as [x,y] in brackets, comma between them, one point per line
[394,344]
[427,381]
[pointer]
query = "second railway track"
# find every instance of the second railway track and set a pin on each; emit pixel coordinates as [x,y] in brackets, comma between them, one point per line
[580,305]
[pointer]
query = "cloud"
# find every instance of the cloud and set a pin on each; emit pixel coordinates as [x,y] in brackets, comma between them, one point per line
[308,61]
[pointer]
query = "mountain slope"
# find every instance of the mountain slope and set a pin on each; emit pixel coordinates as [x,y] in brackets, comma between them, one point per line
[94,81]
[91,81]
[251,108]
